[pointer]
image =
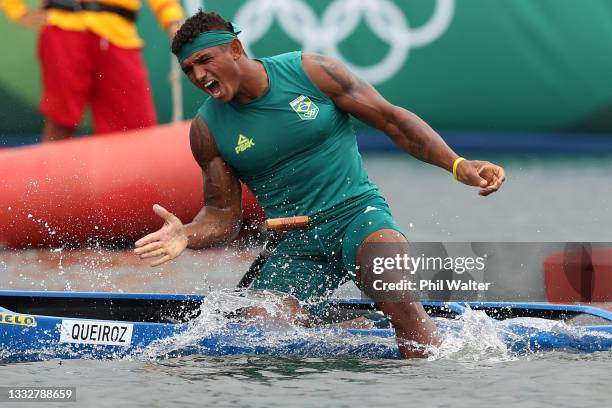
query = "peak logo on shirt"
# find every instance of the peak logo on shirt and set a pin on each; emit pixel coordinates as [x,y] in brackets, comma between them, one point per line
[304,107]
[243,144]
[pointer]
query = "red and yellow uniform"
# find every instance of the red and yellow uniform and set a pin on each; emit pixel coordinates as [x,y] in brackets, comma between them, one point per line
[93,56]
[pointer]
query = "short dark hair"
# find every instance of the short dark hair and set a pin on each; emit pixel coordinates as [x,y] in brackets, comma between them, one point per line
[197,24]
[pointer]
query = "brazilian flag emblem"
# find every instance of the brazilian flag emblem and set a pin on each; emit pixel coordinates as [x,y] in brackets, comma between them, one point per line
[304,107]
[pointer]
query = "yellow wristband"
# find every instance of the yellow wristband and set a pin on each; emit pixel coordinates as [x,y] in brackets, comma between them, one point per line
[455,164]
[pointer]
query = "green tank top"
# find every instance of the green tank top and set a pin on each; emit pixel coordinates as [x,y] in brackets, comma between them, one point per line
[291,146]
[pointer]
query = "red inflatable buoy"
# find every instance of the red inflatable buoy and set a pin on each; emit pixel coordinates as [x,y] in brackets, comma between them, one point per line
[579,275]
[100,189]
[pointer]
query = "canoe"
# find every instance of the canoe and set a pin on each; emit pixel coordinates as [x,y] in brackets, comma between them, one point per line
[67,325]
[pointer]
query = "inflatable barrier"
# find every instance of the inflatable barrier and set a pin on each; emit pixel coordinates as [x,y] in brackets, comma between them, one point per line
[579,275]
[100,189]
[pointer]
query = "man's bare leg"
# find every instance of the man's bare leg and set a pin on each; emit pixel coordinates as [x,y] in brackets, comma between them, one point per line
[288,310]
[409,319]
[53,132]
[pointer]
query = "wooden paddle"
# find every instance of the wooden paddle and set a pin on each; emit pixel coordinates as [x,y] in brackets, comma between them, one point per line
[278,228]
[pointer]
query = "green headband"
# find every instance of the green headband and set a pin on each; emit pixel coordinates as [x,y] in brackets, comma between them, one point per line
[207,39]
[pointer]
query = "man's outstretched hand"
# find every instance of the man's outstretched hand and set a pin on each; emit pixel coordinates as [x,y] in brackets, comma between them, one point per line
[166,243]
[488,176]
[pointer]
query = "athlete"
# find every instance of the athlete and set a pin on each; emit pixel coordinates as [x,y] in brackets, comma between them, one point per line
[281,125]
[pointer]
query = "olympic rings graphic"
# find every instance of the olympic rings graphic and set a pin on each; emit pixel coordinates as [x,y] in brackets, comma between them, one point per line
[339,21]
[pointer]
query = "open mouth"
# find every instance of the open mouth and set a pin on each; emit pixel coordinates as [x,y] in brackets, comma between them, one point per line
[213,87]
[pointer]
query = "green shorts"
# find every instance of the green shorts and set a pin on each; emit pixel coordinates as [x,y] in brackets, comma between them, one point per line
[310,264]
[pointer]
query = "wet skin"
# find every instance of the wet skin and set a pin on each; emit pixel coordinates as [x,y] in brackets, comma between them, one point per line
[224,73]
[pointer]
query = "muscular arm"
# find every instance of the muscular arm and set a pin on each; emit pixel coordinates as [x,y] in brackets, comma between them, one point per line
[218,221]
[357,97]
[220,218]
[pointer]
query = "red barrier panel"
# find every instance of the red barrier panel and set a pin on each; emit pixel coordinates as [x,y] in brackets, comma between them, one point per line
[602,275]
[582,275]
[100,189]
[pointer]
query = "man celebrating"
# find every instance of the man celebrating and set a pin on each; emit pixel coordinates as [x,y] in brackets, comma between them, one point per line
[281,125]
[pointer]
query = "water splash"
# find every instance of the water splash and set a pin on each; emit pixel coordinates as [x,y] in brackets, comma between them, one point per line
[220,330]
[472,336]
[213,332]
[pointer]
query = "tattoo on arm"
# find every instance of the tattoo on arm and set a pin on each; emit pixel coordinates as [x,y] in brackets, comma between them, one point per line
[421,146]
[362,100]
[220,218]
[202,143]
[221,186]
[349,83]
[415,136]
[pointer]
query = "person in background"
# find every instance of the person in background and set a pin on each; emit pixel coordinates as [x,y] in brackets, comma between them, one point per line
[90,54]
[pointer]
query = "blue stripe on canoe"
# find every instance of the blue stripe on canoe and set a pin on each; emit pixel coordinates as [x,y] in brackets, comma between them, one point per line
[595,311]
